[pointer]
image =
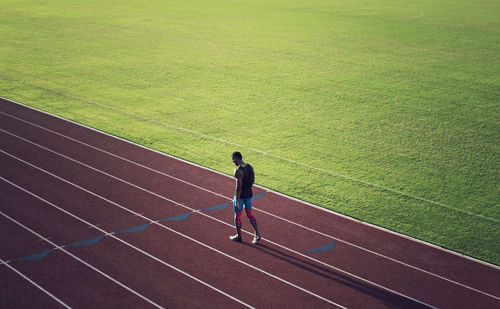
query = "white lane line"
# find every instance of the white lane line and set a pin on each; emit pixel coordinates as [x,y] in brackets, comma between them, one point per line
[219,173]
[191,209]
[265,212]
[162,226]
[34,283]
[122,241]
[113,155]
[386,257]
[77,258]
[309,166]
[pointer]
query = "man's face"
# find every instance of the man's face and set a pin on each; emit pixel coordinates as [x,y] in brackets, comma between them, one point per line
[236,161]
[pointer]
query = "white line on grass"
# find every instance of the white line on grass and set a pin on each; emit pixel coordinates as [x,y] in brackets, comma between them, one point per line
[309,166]
[184,206]
[75,257]
[33,283]
[169,229]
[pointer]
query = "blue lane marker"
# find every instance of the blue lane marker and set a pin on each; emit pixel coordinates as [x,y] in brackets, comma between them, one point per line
[140,228]
[218,207]
[87,242]
[259,196]
[135,229]
[324,248]
[177,218]
[34,257]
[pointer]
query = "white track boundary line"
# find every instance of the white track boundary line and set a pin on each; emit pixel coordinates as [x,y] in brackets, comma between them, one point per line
[194,210]
[165,227]
[165,124]
[124,242]
[263,211]
[264,188]
[77,258]
[34,283]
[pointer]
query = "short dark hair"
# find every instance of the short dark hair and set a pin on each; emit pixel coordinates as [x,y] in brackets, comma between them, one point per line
[237,154]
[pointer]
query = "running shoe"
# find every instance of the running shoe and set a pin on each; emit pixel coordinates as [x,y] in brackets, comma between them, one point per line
[256,239]
[235,238]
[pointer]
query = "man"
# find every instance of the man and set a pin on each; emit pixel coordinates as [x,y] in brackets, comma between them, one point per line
[243,196]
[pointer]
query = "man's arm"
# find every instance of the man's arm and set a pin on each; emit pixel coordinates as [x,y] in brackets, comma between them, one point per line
[239,180]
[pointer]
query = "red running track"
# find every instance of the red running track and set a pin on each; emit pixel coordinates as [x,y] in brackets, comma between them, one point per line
[88,220]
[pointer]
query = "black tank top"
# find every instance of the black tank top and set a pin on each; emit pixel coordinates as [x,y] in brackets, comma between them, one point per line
[248,179]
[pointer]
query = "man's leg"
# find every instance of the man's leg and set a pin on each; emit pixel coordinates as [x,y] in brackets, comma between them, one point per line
[237,221]
[248,212]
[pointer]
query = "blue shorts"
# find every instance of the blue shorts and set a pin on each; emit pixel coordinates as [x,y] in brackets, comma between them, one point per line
[243,202]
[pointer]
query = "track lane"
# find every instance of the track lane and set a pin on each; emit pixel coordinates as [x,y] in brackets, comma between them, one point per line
[479,276]
[239,283]
[161,284]
[15,283]
[201,177]
[70,280]
[48,159]
[272,267]
[390,282]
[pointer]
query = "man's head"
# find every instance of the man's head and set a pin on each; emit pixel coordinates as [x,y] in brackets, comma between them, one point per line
[237,158]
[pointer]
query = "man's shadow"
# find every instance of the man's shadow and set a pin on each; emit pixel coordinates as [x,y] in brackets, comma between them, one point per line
[390,299]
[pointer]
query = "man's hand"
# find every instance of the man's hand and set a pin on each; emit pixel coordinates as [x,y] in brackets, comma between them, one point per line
[237,206]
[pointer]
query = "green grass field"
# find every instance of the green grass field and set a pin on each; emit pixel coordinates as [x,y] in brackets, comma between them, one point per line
[386,111]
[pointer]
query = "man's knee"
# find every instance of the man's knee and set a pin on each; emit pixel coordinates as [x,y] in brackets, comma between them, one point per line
[248,212]
[237,220]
